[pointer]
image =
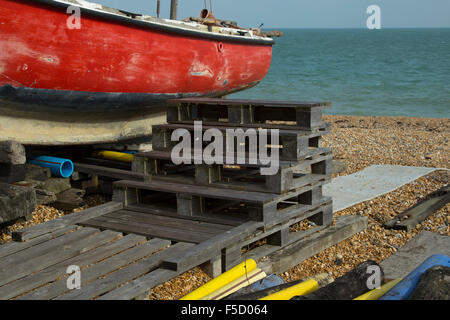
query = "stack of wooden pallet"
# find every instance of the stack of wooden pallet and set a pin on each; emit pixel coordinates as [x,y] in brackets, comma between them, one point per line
[262,209]
[171,218]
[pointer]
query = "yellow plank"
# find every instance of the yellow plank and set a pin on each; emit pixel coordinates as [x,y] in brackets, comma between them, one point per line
[300,289]
[113,155]
[378,293]
[237,284]
[222,280]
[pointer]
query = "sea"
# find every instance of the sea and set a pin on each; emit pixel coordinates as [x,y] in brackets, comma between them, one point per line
[387,72]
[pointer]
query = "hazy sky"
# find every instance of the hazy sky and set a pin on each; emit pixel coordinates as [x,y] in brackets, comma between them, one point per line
[305,13]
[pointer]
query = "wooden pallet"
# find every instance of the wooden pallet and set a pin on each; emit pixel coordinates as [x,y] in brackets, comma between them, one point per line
[292,144]
[213,237]
[198,200]
[160,226]
[107,260]
[310,244]
[157,165]
[121,256]
[250,113]
[119,266]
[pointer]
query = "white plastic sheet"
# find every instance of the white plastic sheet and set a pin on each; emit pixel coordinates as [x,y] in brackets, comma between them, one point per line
[370,183]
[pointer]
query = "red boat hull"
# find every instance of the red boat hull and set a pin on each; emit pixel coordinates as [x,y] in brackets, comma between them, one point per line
[39,51]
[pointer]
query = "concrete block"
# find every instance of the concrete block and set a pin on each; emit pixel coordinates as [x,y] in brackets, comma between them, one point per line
[12,152]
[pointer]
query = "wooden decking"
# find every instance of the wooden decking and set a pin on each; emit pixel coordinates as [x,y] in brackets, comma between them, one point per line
[150,225]
[107,259]
[126,264]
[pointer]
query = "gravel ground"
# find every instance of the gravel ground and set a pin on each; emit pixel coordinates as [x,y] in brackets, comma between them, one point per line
[360,142]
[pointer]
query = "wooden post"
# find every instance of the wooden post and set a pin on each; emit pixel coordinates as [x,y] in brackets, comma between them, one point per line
[173,9]
[158,8]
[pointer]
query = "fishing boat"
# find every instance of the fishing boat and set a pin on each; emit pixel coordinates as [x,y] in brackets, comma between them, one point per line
[74,72]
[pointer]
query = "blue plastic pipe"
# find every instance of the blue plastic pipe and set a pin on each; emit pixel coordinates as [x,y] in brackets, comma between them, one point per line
[58,167]
[404,288]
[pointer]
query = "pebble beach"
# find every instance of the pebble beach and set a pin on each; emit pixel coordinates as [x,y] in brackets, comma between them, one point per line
[358,142]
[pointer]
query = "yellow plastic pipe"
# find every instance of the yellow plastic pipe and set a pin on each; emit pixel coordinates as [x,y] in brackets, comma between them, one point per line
[113,155]
[300,289]
[378,293]
[222,280]
[241,282]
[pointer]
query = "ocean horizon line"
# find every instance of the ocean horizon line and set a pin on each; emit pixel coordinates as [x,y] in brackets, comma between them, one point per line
[355,28]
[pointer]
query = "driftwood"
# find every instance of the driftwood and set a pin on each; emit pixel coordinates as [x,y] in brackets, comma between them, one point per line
[410,218]
[349,286]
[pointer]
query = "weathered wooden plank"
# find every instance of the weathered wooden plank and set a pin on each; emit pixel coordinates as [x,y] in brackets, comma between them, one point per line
[276,237]
[292,255]
[242,160]
[410,218]
[283,225]
[306,115]
[108,172]
[266,211]
[69,250]
[296,210]
[254,102]
[147,230]
[124,275]
[223,126]
[211,218]
[204,251]
[100,269]
[106,163]
[58,270]
[268,249]
[140,286]
[288,177]
[45,248]
[200,191]
[74,218]
[174,222]
[15,247]
[295,144]
[208,248]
